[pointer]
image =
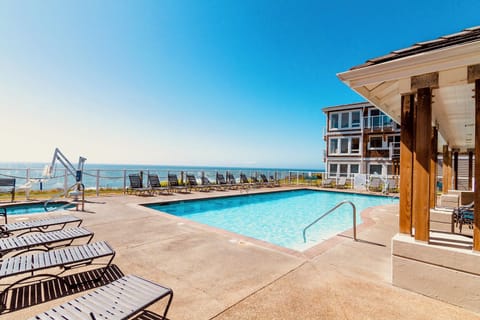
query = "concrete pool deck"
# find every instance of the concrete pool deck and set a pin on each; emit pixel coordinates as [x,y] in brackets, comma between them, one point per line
[219,275]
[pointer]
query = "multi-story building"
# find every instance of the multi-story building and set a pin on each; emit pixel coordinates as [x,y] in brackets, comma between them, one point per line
[360,139]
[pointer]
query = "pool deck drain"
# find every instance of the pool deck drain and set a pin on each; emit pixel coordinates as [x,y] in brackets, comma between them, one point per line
[213,277]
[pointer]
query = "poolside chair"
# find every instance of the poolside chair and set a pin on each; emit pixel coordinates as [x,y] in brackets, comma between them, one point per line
[264,181]
[136,185]
[341,183]
[327,183]
[376,184]
[38,225]
[43,241]
[155,185]
[275,182]
[244,181]
[391,185]
[7,185]
[174,185]
[232,182]
[254,181]
[221,179]
[207,182]
[193,184]
[63,258]
[120,299]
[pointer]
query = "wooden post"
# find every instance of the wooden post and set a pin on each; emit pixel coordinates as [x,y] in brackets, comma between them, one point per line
[476,210]
[470,169]
[433,168]
[455,170]
[421,164]
[406,163]
[447,170]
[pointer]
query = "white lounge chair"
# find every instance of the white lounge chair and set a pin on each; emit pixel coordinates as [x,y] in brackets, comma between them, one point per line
[43,240]
[39,225]
[64,258]
[121,299]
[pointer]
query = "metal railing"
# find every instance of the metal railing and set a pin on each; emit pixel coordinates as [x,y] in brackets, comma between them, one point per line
[330,211]
[97,181]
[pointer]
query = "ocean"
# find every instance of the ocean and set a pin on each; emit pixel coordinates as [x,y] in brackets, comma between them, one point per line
[116,175]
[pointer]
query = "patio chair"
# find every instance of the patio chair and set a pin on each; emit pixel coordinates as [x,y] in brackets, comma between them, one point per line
[264,181]
[376,184]
[174,185]
[136,184]
[7,185]
[232,182]
[463,215]
[327,183]
[275,182]
[207,182]
[392,185]
[38,225]
[254,181]
[341,183]
[193,184]
[43,241]
[155,185]
[221,179]
[245,182]
[120,299]
[64,258]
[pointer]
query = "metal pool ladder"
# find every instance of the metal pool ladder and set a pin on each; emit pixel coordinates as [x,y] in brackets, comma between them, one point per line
[330,211]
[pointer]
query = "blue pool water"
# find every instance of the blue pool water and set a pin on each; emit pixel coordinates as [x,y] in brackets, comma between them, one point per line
[33,208]
[277,217]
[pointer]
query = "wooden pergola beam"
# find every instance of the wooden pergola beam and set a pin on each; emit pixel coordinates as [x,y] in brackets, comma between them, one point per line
[433,167]
[407,134]
[476,215]
[446,170]
[421,164]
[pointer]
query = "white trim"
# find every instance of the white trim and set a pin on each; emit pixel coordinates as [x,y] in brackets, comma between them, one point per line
[432,61]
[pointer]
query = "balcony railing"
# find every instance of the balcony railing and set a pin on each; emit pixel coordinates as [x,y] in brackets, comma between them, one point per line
[379,123]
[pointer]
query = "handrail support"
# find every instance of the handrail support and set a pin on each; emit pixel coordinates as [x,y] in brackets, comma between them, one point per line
[354,209]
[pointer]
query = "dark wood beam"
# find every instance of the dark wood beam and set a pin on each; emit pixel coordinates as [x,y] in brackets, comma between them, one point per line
[433,168]
[473,73]
[428,80]
[446,170]
[455,170]
[470,169]
[407,134]
[421,164]
[476,215]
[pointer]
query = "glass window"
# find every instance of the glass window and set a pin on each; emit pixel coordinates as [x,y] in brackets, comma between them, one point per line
[355,145]
[356,119]
[389,169]
[334,121]
[333,146]
[395,139]
[345,123]
[333,169]
[375,169]
[343,169]
[354,168]
[344,145]
[376,142]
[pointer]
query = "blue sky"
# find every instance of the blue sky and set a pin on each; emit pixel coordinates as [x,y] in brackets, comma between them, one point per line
[217,83]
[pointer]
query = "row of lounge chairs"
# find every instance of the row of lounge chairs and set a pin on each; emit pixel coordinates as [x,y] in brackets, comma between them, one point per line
[374,185]
[52,240]
[191,184]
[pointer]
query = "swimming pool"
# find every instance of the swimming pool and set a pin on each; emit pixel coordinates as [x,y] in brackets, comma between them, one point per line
[277,217]
[36,207]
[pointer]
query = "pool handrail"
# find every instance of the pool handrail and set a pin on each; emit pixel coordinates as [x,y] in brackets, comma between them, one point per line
[330,211]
